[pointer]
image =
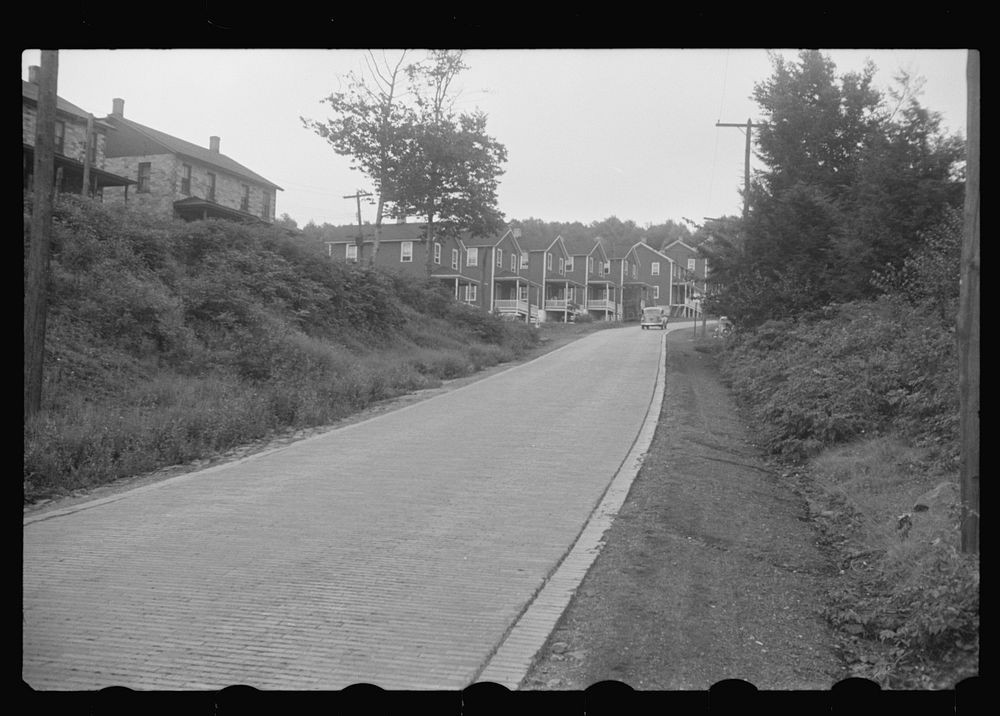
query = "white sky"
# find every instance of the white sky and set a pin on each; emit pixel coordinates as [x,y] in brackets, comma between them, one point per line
[589,133]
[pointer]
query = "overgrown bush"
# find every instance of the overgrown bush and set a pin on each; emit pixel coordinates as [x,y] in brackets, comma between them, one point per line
[849,370]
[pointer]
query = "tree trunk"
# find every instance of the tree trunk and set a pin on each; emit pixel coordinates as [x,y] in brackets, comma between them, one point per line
[377,242]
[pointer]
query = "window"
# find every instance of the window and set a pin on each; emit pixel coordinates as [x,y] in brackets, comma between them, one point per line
[406,252]
[691,264]
[352,252]
[524,259]
[562,265]
[607,267]
[144,170]
[266,211]
[499,258]
[60,138]
[569,265]
[437,252]
[210,194]
[548,261]
[590,264]
[93,148]
[656,291]
[633,269]
[655,268]
[522,293]
[245,199]
[472,257]
[185,178]
[454,259]
[470,292]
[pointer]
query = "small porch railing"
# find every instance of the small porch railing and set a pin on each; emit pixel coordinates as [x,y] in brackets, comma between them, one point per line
[601,304]
[509,305]
[556,303]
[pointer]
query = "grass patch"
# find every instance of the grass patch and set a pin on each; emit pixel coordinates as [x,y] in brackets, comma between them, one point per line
[904,603]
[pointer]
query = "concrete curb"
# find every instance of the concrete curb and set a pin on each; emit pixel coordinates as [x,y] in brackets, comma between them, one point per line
[514,656]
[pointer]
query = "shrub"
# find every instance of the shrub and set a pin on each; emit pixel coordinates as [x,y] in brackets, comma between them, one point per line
[851,370]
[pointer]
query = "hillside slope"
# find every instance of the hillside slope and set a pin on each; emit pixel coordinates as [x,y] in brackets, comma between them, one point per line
[169,341]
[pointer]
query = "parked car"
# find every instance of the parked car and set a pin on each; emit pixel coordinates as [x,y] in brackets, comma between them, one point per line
[654,316]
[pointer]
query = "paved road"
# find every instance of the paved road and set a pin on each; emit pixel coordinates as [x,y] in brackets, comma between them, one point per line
[396,551]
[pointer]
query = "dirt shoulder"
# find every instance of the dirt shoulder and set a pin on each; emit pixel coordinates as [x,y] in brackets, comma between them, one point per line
[710,570]
[552,337]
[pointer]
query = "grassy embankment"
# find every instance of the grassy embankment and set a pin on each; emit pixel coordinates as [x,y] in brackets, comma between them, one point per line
[169,342]
[859,404]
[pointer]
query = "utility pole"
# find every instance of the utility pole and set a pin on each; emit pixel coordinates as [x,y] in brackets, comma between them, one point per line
[968,322]
[91,139]
[36,282]
[749,126]
[360,241]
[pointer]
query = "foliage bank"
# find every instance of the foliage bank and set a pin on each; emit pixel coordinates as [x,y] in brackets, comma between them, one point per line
[170,341]
[859,401]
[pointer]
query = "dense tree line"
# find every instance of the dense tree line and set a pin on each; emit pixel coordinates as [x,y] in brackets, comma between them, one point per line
[854,181]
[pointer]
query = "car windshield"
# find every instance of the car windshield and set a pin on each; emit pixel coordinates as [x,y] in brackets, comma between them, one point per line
[652,312]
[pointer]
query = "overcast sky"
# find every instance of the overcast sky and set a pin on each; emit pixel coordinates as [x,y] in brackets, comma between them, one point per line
[589,133]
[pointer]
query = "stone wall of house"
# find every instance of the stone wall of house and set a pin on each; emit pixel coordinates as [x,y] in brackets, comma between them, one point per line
[166,172]
[74,137]
[159,200]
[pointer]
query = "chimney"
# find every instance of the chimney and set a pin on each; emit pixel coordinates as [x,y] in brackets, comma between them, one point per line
[516,232]
[213,144]
[33,74]
[118,107]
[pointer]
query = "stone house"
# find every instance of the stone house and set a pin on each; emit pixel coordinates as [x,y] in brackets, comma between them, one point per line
[175,177]
[80,142]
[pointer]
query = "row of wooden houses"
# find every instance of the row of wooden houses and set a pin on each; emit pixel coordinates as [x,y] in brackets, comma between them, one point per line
[518,275]
[526,277]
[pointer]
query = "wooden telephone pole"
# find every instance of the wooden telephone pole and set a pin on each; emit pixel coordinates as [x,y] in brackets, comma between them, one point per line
[360,241]
[968,323]
[749,126]
[36,281]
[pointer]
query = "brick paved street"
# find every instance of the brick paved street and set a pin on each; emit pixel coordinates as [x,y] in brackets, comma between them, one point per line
[396,551]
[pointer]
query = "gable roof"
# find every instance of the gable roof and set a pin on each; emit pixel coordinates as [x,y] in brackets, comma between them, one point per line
[651,249]
[536,242]
[682,243]
[29,90]
[581,246]
[124,145]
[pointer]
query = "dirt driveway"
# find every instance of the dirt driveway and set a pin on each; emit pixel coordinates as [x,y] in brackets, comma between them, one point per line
[710,570]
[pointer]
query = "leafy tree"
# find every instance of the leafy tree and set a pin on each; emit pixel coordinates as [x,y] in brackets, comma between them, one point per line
[850,184]
[370,125]
[930,272]
[449,168]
